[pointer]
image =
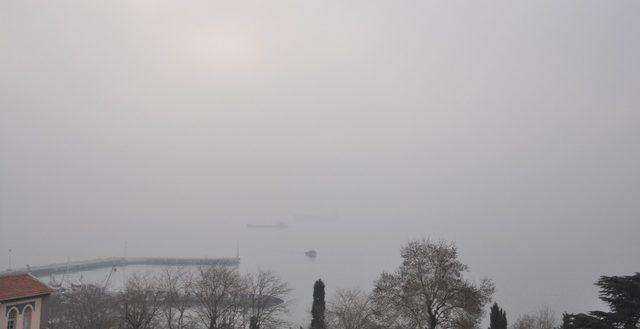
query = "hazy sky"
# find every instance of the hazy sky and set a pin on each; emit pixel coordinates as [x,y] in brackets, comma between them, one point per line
[511,127]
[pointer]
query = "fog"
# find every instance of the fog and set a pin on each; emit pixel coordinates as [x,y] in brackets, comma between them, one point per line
[508,127]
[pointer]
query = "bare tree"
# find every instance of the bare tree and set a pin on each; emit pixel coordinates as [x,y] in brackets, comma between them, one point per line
[216,298]
[140,303]
[218,292]
[175,285]
[428,290]
[350,309]
[84,307]
[267,295]
[526,321]
[544,318]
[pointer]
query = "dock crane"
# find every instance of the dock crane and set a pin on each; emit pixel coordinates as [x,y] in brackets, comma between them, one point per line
[108,279]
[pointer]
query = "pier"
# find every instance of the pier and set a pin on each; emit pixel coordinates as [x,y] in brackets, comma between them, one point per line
[88,265]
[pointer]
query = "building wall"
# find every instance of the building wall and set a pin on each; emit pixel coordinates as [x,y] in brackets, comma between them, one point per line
[38,320]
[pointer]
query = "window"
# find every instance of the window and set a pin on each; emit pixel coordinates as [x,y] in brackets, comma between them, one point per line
[26,318]
[11,321]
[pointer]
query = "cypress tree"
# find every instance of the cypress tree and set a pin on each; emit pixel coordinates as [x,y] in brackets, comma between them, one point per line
[318,307]
[253,323]
[498,318]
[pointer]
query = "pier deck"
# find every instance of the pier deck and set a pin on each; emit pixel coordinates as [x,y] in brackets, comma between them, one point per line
[88,265]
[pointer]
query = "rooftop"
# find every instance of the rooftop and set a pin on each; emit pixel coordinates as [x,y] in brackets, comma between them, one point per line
[21,285]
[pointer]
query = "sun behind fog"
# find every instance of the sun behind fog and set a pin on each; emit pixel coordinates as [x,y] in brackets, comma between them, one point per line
[222,49]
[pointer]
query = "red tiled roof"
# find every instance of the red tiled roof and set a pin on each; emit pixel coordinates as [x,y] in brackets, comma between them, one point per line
[15,286]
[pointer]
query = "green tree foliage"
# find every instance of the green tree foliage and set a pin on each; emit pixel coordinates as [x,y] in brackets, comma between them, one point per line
[318,307]
[622,294]
[497,318]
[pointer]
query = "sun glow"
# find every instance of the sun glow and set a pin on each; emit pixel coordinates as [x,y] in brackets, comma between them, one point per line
[222,49]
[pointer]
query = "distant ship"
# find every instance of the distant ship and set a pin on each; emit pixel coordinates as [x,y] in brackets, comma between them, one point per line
[277,226]
[311,254]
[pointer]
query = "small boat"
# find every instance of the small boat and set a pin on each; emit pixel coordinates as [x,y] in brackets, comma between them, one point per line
[311,254]
[277,226]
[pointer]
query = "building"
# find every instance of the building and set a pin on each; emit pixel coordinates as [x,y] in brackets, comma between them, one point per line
[23,302]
